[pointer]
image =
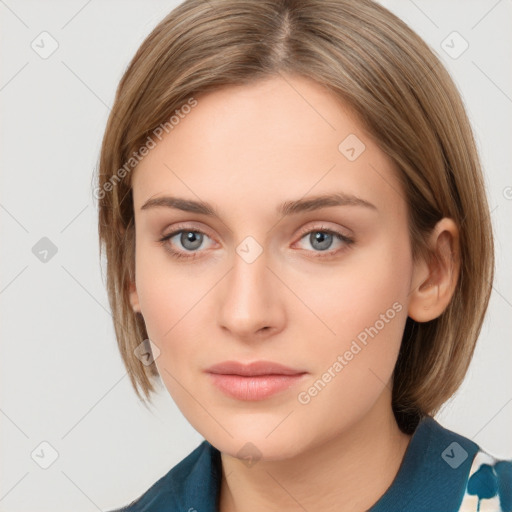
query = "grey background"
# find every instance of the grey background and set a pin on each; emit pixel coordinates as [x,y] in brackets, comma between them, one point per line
[62,381]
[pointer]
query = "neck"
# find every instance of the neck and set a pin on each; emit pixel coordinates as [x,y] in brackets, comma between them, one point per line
[353,468]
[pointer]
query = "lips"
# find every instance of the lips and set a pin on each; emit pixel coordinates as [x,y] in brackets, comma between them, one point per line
[253,381]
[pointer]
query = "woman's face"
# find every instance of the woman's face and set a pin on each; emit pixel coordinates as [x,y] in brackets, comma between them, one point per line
[319,287]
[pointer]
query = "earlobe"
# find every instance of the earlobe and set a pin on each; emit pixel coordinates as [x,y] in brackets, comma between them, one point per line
[435,280]
[134,298]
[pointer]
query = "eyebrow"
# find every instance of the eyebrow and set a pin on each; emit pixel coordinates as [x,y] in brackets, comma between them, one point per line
[285,209]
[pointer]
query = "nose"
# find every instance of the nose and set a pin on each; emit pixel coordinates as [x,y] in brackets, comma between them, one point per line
[250,305]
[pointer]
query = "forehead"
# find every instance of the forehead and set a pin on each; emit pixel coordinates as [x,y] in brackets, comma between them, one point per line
[251,147]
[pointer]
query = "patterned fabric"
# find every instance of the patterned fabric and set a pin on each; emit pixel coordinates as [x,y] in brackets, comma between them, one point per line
[489,487]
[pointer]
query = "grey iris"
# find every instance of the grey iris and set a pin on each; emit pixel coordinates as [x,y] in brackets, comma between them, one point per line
[325,239]
[195,239]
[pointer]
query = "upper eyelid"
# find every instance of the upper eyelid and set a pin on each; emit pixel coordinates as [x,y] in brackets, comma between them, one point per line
[323,227]
[188,227]
[178,229]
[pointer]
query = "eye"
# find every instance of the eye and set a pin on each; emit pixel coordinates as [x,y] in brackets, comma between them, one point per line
[322,239]
[189,239]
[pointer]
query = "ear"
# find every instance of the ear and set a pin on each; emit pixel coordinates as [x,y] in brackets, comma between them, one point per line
[434,281]
[134,298]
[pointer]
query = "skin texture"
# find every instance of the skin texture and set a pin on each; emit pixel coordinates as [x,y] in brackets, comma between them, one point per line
[245,150]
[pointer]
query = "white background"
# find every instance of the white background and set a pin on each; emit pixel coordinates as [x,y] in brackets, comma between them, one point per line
[62,380]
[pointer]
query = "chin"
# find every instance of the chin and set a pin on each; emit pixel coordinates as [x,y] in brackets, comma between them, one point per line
[252,444]
[251,452]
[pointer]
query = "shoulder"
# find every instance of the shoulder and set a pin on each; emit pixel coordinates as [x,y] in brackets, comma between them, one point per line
[486,479]
[489,484]
[178,488]
[446,471]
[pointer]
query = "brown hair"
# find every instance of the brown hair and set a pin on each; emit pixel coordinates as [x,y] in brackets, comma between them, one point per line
[403,95]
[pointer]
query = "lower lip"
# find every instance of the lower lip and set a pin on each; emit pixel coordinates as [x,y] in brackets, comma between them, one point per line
[255,387]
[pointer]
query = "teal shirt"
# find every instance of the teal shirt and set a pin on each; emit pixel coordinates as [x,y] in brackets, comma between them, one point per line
[441,472]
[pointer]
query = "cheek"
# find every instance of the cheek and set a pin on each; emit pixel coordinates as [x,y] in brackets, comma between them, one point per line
[165,290]
[354,368]
[365,306]
[170,302]
[172,298]
[352,296]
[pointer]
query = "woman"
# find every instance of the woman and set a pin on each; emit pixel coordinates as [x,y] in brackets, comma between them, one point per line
[299,244]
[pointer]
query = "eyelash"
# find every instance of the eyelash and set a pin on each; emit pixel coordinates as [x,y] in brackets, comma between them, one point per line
[348,241]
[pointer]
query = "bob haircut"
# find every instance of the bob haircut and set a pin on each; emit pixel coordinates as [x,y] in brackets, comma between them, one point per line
[404,97]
